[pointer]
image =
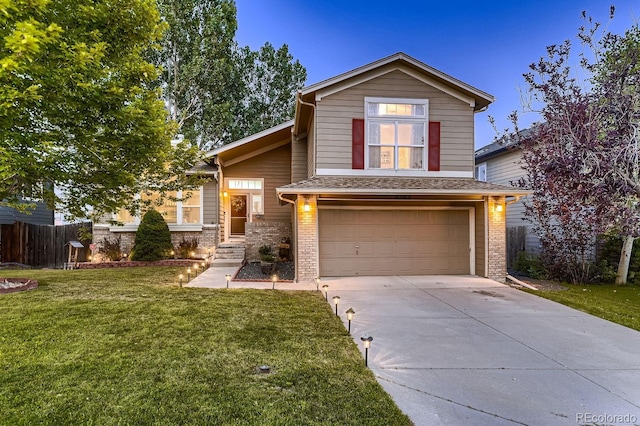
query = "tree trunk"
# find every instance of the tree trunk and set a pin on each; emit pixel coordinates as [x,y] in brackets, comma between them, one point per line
[625,259]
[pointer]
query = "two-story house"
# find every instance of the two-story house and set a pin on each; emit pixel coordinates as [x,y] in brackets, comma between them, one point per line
[373,176]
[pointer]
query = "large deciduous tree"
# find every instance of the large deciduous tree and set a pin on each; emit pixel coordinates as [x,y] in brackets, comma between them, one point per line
[583,159]
[214,89]
[78,107]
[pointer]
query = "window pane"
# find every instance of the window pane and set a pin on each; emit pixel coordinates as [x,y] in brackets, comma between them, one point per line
[244,184]
[410,158]
[256,204]
[193,198]
[374,134]
[410,134]
[381,157]
[124,216]
[168,209]
[411,110]
[191,215]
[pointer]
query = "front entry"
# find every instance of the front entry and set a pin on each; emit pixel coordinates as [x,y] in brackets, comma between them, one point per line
[238,214]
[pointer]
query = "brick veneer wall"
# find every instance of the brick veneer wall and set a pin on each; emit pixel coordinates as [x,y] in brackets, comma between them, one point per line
[497,255]
[307,249]
[207,238]
[258,234]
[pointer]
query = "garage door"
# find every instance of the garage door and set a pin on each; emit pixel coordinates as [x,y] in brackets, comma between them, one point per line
[394,242]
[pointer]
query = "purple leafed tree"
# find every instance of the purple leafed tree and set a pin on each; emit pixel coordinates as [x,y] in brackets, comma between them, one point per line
[583,159]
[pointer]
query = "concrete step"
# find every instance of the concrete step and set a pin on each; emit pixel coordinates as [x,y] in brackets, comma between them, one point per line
[229,255]
[218,263]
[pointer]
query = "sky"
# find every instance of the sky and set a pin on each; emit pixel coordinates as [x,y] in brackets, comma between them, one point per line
[487,44]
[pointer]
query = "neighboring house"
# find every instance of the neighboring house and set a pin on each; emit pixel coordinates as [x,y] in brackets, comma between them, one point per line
[373,176]
[41,215]
[500,163]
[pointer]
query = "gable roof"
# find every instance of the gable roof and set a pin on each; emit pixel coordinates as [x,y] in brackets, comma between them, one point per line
[503,144]
[270,133]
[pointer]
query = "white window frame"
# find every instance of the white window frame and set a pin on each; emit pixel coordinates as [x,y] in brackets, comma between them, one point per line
[480,172]
[397,119]
[136,220]
[249,192]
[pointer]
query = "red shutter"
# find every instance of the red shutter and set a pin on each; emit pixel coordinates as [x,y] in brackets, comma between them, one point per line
[434,146]
[357,147]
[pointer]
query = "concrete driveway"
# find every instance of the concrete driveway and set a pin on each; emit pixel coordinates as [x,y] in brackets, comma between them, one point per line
[470,351]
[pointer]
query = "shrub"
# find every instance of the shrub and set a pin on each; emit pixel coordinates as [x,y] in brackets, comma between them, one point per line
[266,255]
[609,253]
[186,247]
[153,238]
[111,249]
[530,265]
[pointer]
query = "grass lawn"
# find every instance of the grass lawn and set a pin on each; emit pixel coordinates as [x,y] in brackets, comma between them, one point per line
[619,304]
[127,346]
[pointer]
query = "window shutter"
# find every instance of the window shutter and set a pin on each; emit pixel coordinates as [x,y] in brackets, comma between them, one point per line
[434,146]
[357,147]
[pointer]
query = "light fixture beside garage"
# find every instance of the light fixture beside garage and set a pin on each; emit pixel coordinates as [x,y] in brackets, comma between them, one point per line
[306,207]
[499,208]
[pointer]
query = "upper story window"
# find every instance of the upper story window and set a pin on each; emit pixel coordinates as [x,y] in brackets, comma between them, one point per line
[396,133]
[481,172]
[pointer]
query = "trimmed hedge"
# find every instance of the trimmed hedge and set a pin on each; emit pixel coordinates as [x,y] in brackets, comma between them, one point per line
[153,238]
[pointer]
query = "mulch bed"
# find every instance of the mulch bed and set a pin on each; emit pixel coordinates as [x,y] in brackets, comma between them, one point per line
[253,272]
[11,285]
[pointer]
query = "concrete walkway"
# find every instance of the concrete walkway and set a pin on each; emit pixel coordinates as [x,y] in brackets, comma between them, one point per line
[470,351]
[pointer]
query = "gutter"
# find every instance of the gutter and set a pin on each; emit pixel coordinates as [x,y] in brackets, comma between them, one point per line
[295,231]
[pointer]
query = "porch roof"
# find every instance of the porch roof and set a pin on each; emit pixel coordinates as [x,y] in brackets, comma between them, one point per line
[398,186]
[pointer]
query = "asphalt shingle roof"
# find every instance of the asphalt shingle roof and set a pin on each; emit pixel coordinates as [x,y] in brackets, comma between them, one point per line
[394,184]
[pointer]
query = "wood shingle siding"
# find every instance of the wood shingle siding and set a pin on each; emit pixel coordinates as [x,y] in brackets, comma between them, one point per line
[335,113]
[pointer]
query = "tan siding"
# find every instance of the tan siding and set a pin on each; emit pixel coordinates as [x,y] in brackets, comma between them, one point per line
[275,167]
[210,202]
[299,161]
[335,113]
[311,149]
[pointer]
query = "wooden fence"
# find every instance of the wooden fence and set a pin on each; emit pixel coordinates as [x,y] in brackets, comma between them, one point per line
[40,246]
[516,239]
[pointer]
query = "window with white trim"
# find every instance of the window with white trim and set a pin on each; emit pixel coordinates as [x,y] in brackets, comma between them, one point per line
[254,188]
[481,172]
[186,211]
[396,133]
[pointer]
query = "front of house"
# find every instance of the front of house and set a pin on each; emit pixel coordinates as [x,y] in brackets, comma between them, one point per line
[374,176]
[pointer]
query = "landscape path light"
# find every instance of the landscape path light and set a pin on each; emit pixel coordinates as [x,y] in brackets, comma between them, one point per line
[195,268]
[325,289]
[228,278]
[188,274]
[317,283]
[366,342]
[180,277]
[336,300]
[204,266]
[350,313]
[274,278]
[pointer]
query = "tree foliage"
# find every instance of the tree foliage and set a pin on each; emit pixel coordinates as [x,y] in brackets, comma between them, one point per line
[214,89]
[153,238]
[582,160]
[78,109]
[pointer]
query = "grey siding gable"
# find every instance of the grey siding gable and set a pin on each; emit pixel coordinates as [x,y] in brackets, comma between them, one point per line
[41,215]
[335,113]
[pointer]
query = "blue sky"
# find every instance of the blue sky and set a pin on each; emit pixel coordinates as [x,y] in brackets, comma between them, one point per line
[488,44]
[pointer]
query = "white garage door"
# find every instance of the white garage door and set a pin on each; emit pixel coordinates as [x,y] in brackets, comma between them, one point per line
[394,242]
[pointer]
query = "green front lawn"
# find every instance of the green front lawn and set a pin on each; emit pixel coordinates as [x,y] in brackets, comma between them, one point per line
[127,346]
[619,304]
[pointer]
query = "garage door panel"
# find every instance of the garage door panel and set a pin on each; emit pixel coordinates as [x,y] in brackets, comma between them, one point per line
[393,242]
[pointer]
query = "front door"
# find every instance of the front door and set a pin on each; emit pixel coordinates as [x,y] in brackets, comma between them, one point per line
[238,214]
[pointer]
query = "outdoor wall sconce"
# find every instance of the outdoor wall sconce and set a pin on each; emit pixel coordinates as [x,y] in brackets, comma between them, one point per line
[306,207]
[366,342]
[499,208]
[350,312]
[188,274]
[225,194]
[325,289]
[274,278]
[317,280]
[336,300]
[180,277]
[228,278]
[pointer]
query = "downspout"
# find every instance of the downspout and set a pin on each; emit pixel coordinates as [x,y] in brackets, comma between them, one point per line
[295,232]
[515,200]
